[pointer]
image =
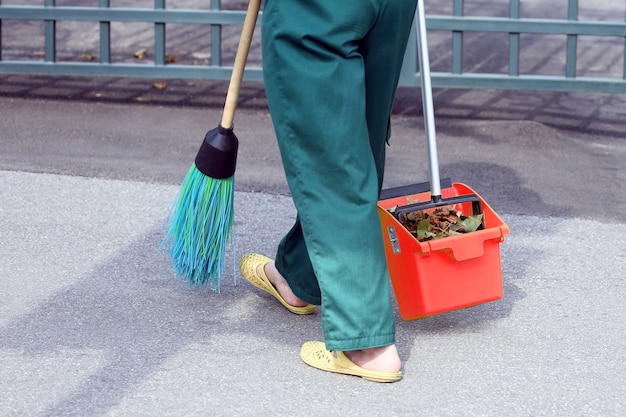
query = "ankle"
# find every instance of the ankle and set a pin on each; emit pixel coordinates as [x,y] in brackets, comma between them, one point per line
[384,358]
[281,285]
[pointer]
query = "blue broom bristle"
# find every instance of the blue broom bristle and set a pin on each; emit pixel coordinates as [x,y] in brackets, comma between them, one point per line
[199,228]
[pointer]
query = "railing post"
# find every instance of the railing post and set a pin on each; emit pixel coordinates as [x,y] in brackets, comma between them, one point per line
[457,40]
[0,35]
[409,63]
[159,36]
[572,41]
[514,40]
[216,37]
[50,35]
[105,36]
[624,71]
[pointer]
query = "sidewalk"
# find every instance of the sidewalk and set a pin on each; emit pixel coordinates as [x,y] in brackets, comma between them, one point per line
[93,323]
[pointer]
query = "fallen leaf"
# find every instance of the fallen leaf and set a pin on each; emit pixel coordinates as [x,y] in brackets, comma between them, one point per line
[423,229]
[39,54]
[140,54]
[89,56]
[438,223]
[170,59]
[470,224]
[159,85]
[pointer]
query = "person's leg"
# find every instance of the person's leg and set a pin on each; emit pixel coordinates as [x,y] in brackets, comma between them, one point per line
[314,78]
[382,69]
[383,53]
[383,63]
[292,260]
[316,86]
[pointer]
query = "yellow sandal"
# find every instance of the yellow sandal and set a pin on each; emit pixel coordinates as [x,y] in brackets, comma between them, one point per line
[252,268]
[315,354]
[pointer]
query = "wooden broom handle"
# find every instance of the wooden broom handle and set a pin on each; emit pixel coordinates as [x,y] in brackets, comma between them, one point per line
[240,63]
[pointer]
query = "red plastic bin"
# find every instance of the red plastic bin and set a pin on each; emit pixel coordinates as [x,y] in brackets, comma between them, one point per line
[444,274]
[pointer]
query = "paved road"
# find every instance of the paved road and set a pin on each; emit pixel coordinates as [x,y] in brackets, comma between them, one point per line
[93,323]
[518,163]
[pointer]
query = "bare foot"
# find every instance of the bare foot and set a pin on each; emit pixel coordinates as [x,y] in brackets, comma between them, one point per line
[384,358]
[282,287]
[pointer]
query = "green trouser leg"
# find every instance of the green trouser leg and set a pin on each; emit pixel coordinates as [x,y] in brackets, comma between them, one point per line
[331,69]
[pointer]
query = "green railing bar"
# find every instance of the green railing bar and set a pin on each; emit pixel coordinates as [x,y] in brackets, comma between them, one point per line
[572,41]
[514,40]
[538,26]
[50,35]
[159,36]
[91,14]
[439,79]
[457,40]
[216,37]
[127,70]
[0,35]
[526,82]
[409,67]
[105,36]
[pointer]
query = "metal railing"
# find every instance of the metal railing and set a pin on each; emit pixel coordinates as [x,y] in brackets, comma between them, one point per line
[514,26]
[160,17]
[457,24]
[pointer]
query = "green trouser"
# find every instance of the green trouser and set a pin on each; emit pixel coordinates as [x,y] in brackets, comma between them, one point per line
[331,69]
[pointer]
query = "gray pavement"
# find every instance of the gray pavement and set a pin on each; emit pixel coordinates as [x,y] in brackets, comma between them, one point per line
[93,323]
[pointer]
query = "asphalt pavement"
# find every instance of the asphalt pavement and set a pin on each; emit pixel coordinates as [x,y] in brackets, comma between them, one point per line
[92,321]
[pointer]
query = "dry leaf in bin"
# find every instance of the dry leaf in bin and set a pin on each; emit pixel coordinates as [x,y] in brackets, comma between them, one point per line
[441,222]
[171,59]
[159,85]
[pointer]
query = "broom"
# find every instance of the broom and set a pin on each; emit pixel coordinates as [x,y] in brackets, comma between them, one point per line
[200,220]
